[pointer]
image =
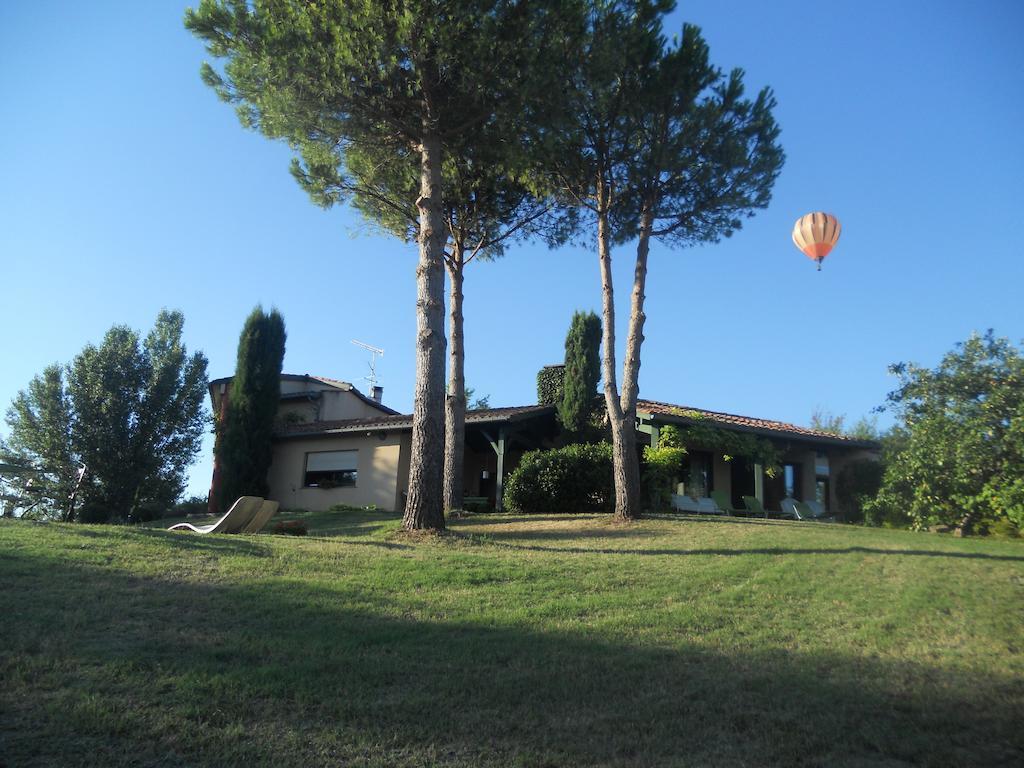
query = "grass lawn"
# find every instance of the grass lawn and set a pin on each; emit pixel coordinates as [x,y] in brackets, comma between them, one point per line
[514,641]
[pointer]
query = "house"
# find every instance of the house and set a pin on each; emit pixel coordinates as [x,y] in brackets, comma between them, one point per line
[335,445]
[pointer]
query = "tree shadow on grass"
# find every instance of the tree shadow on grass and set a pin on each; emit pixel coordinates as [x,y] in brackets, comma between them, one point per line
[281,673]
[509,542]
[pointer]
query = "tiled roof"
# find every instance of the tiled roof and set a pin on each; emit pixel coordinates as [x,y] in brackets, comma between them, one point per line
[404,421]
[667,411]
[686,413]
[334,383]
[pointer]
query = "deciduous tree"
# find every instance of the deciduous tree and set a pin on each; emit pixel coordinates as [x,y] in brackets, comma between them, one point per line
[130,410]
[958,445]
[40,439]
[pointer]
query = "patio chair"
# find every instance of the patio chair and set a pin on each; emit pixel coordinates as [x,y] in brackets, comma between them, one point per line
[234,520]
[789,509]
[683,503]
[810,510]
[723,504]
[707,506]
[267,510]
[755,507]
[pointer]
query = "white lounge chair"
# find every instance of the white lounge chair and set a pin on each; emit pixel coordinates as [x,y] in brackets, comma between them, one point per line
[707,506]
[266,511]
[690,505]
[234,520]
[685,503]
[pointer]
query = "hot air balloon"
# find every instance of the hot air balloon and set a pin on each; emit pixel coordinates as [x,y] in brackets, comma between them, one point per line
[815,234]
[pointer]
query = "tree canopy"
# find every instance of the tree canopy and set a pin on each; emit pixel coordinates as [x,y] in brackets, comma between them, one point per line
[130,411]
[655,143]
[378,100]
[581,374]
[957,455]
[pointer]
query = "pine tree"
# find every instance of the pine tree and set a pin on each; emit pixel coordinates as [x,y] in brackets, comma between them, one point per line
[582,373]
[243,449]
[662,145]
[416,78]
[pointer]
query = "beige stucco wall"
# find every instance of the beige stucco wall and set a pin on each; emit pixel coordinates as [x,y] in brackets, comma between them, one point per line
[336,404]
[377,480]
[290,387]
[402,485]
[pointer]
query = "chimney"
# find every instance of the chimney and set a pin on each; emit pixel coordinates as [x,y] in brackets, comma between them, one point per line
[378,393]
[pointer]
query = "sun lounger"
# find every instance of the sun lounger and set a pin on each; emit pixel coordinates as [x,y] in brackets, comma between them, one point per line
[690,505]
[234,520]
[755,507]
[810,510]
[707,506]
[685,503]
[723,504]
[267,510]
[789,509]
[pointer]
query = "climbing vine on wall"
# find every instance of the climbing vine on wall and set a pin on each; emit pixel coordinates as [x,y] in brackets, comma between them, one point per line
[703,435]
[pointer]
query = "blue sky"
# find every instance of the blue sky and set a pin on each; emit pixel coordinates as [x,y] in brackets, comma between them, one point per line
[126,186]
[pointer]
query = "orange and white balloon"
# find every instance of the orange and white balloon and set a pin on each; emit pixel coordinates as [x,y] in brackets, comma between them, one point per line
[816,234]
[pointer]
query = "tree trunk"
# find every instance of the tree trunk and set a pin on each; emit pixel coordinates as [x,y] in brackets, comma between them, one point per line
[625,467]
[423,506]
[214,503]
[625,445]
[455,404]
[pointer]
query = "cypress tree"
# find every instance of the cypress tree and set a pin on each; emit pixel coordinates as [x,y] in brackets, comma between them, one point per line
[243,449]
[582,372]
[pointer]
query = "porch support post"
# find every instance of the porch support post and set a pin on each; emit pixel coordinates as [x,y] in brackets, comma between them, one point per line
[499,500]
[655,436]
[759,482]
[499,448]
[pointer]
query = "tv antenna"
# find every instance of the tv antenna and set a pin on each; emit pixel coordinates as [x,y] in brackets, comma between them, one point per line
[374,351]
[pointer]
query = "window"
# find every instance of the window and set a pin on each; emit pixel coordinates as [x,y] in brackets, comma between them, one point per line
[331,469]
[792,477]
[821,492]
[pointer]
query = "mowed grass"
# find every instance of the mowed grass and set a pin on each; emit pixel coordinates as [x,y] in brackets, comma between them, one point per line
[512,641]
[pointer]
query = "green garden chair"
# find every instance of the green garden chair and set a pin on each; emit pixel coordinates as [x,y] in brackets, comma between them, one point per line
[810,510]
[755,507]
[724,506]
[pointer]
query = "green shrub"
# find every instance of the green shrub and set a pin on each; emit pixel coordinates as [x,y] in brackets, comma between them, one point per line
[290,528]
[352,508]
[886,511]
[193,505]
[93,512]
[476,506]
[576,478]
[148,511]
[658,473]
[550,380]
[1005,528]
[856,484]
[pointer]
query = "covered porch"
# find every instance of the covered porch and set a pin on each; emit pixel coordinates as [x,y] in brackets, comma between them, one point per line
[496,439]
[809,460]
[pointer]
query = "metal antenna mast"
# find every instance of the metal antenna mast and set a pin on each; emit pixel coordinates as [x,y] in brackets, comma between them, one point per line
[374,351]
